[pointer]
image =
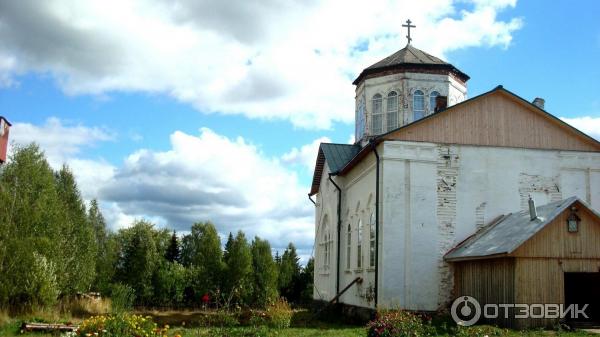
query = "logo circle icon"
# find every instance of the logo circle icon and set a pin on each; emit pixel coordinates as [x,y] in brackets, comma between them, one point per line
[465,310]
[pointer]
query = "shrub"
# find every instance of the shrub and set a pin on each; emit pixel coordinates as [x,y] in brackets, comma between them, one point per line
[398,323]
[84,306]
[123,325]
[122,297]
[279,314]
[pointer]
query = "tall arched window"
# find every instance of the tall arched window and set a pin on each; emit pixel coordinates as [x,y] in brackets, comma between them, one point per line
[359,245]
[377,116]
[349,247]
[392,111]
[372,225]
[432,97]
[325,243]
[418,105]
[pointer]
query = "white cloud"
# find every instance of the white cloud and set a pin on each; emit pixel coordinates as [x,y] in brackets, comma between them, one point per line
[289,60]
[63,144]
[306,155]
[202,177]
[211,177]
[59,141]
[587,124]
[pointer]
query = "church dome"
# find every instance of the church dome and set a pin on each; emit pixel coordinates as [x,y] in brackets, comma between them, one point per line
[410,59]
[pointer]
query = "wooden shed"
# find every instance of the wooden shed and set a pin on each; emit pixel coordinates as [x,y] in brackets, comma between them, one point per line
[550,256]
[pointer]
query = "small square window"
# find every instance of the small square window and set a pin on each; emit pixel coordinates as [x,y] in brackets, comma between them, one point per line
[573,221]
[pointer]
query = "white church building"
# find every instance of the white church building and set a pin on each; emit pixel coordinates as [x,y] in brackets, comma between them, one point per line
[431,167]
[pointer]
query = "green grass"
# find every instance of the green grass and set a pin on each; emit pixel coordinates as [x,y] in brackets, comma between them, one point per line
[304,326]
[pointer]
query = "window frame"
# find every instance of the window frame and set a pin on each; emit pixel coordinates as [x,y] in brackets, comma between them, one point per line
[392,113]
[377,114]
[418,94]
[372,234]
[359,238]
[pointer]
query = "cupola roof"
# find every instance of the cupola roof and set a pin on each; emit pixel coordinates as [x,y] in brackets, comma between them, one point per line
[412,59]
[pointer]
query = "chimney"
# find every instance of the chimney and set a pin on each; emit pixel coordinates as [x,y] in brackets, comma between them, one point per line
[441,103]
[4,128]
[539,102]
[532,211]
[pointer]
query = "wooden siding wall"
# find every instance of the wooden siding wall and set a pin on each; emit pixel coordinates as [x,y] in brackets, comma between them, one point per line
[554,241]
[496,119]
[488,281]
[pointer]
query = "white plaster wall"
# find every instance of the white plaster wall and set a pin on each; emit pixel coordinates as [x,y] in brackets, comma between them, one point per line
[434,196]
[324,275]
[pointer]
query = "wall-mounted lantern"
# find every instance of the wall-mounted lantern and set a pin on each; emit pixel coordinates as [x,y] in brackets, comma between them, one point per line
[573,221]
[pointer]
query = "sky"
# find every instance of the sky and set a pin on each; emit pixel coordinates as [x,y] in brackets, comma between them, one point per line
[186,111]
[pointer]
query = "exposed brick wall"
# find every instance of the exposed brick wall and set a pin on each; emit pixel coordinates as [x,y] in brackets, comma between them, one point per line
[447,179]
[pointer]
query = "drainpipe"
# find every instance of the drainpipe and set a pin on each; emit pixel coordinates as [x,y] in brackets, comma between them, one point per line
[339,226]
[311,199]
[374,147]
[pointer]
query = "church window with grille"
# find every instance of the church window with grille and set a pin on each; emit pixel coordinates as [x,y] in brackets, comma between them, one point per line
[392,111]
[372,225]
[359,245]
[418,105]
[349,247]
[377,115]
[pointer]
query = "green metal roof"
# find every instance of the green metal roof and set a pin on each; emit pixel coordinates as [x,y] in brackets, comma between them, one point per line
[336,156]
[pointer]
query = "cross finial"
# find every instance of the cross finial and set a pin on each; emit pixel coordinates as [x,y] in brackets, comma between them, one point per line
[409,26]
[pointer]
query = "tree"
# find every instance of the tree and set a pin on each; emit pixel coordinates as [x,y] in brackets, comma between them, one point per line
[238,269]
[138,259]
[77,234]
[289,272]
[106,248]
[306,283]
[173,251]
[264,273]
[201,253]
[31,229]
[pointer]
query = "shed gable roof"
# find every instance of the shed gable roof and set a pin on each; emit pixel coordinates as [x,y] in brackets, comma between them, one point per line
[509,232]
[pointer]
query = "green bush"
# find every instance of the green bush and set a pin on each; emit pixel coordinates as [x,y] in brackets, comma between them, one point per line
[279,314]
[122,325]
[398,323]
[122,297]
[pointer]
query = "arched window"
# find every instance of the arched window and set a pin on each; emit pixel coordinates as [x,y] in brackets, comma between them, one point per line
[372,225]
[418,105]
[432,97]
[392,111]
[377,116]
[359,245]
[349,247]
[325,243]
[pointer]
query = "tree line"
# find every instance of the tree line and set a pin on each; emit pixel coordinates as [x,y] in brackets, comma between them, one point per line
[53,246]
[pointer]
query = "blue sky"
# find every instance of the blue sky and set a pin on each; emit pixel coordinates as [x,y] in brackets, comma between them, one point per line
[199,111]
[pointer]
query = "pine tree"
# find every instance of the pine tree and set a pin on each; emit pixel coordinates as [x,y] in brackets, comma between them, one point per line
[289,272]
[173,253]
